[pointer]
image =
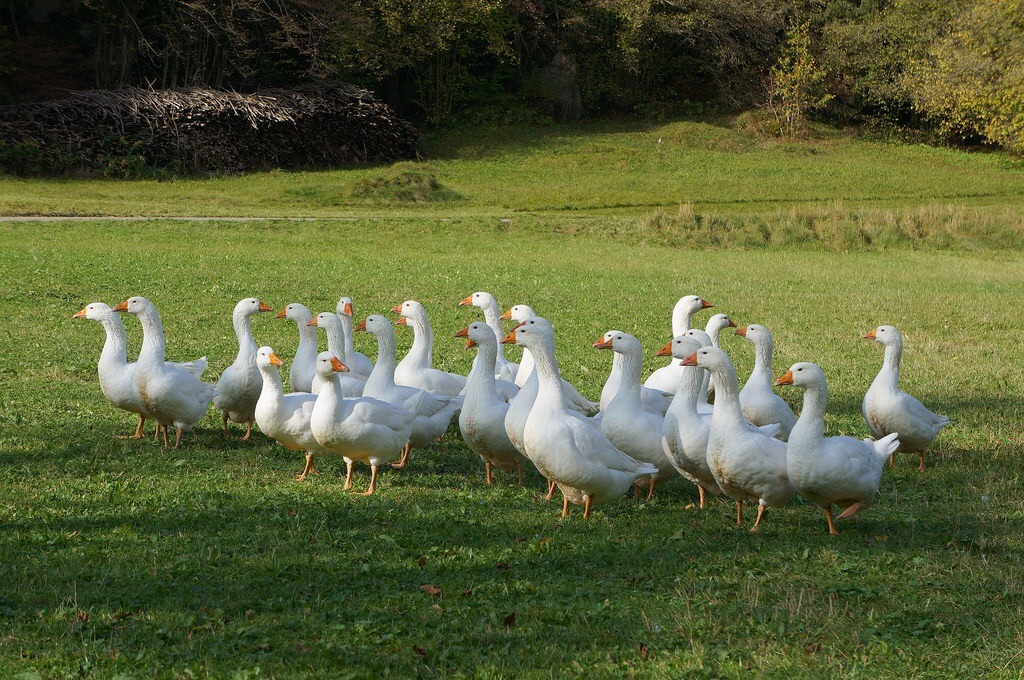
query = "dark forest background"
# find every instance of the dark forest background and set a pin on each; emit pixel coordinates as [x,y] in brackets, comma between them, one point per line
[946,71]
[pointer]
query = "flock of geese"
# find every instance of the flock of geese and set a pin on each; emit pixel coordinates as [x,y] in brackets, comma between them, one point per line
[748,444]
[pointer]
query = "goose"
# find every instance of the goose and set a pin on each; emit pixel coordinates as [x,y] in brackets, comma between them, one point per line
[887,408]
[831,471]
[667,378]
[747,463]
[415,369]
[653,401]
[365,429]
[173,396]
[505,369]
[359,365]
[303,368]
[434,412]
[570,450]
[685,429]
[241,383]
[284,417]
[519,314]
[482,418]
[760,404]
[716,324]
[349,385]
[116,373]
[627,424]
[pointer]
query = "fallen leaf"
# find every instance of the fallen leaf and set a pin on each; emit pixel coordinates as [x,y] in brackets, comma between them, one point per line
[643,650]
[812,647]
[467,592]
[431,589]
[501,565]
[509,620]
[419,650]
[421,562]
[82,616]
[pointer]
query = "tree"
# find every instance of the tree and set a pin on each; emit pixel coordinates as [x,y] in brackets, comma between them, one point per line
[796,83]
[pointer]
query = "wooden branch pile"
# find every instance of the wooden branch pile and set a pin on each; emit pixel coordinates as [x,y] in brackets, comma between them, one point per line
[197,130]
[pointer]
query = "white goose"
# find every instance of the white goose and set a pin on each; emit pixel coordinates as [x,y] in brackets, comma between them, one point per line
[568,449]
[505,369]
[888,409]
[368,430]
[685,429]
[760,404]
[482,419]
[116,373]
[303,368]
[284,417]
[519,314]
[667,378]
[830,470]
[434,412]
[716,324]
[416,368]
[171,394]
[746,463]
[653,401]
[241,383]
[359,365]
[627,424]
[348,384]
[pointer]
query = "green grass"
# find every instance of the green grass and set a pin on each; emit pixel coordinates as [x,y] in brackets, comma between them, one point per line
[122,559]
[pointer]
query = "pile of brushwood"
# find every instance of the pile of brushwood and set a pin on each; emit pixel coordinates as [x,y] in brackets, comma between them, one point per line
[193,131]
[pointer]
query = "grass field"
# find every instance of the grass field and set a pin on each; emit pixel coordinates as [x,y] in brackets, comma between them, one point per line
[121,559]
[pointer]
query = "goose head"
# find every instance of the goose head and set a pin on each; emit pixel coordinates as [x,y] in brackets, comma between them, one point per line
[620,342]
[753,332]
[702,338]
[886,335]
[327,365]
[345,306]
[534,333]
[265,357]
[476,334]
[375,324]
[297,312]
[478,299]
[250,307]
[717,322]
[519,313]
[691,304]
[710,358]
[135,305]
[802,374]
[606,340]
[325,320]
[411,310]
[94,311]
[680,347]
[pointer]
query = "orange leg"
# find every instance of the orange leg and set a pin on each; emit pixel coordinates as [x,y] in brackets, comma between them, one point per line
[551,490]
[892,459]
[308,470]
[248,431]
[487,467]
[177,437]
[651,491]
[586,507]
[565,506]
[831,525]
[373,482]
[702,494]
[227,433]
[519,469]
[920,467]
[757,521]
[405,457]
[163,428]
[739,513]
[349,469]
[852,510]
[138,430]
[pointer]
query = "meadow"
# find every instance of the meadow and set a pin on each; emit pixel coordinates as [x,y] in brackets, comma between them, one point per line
[122,559]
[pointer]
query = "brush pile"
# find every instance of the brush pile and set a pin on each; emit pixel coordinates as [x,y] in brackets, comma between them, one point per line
[195,130]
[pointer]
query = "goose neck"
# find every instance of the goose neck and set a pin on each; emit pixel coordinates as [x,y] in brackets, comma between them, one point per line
[153,346]
[115,346]
[243,331]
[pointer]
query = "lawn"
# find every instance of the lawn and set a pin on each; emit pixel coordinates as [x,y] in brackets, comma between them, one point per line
[123,559]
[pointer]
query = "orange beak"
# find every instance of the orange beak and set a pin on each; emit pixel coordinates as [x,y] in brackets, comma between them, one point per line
[337,366]
[704,304]
[510,339]
[665,351]
[870,335]
[466,301]
[464,333]
[731,324]
[402,321]
[740,331]
[80,314]
[507,316]
[275,360]
[347,309]
[361,326]
[397,309]
[123,307]
[264,307]
[283,314]
[601,343]
[786,379]
[312,323]
[690,360]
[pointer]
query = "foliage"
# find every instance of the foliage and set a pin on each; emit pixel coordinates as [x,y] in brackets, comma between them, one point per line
[971,82]
[796,84]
